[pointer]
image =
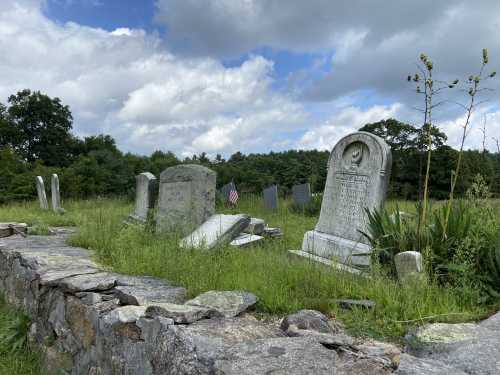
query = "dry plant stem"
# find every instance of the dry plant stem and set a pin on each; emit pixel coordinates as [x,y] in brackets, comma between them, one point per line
[470,110]
[427,317]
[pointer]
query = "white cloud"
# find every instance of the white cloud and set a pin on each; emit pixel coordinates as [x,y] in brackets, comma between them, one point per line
[124,83]
[348,120]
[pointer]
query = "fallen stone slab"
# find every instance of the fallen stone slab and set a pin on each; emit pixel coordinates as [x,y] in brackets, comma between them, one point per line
[180,314]
[245,239]
[217,230]
[256,226]
[273,232]
[228,303]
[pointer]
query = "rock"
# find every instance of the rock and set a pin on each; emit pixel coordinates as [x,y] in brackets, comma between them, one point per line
[410,365]
[217,230]
[256,226]
[310,320]
[245,239]
[349,304]
[386,353]
[9,229]
[228,303]
[409,266]
[125,314]
[88,282]
[180,314]
[144,295]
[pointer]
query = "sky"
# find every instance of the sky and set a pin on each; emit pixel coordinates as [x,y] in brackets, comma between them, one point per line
[221,76]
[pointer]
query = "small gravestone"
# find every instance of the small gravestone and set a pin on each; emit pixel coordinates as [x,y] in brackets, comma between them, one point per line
[144,196]
[301,194]
[409,266]
[226,190]
[358,173]
[186,198]
[42,196]
[217,230]
[56,195]
[271,197]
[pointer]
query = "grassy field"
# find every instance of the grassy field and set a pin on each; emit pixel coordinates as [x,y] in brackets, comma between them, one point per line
[20,362]
[282,284]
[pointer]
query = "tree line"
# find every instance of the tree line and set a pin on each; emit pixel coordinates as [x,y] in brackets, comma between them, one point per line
[36,139]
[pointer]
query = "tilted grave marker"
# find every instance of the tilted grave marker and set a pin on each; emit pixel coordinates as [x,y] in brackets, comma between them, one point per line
[358,174]
[271,197]
[186,198]
[301,194]
[145,194]
[42,196]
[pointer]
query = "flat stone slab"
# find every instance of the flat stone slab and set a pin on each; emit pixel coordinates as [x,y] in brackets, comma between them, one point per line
[245,239]
[180,314]
[326,262]
[146,295]
[228,303]
[349,304]
[88,282]
[217,230]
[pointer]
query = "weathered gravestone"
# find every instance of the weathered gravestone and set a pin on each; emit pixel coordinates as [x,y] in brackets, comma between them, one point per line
[186,198]
[358,173]
[271,197]
[144,196]
[42,196]
[301,194]
[56,195]
[226,190]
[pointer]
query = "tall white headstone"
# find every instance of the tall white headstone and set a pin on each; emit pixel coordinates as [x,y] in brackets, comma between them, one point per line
[42,196]
[358,174]
[144,196]
[56,195]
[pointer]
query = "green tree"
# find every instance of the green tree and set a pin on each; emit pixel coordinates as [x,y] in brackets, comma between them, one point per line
[38,127]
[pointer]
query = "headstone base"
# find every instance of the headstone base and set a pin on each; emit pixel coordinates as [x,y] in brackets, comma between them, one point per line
[336,248]
[326,262]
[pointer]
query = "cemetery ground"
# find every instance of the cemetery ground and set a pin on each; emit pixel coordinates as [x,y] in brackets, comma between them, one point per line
[283,284]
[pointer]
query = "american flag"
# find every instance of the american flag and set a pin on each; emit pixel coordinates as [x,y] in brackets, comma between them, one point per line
[233,194]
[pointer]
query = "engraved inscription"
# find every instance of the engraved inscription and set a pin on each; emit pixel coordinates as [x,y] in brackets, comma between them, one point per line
[349,192]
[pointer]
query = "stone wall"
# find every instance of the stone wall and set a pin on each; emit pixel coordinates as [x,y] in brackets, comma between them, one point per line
[87,321]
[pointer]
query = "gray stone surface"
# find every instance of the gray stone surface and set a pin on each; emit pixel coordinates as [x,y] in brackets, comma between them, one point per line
[358,174]
[245,239]
[256,226]
[56,194]
[42,195]
[301,194]
[271,197]
[310,320]
[217,230]
[468,347]
[180,314]
[145,196]
[228,303]
[186,198]
[321,261]
[409,266]
[410,365]
[349,304]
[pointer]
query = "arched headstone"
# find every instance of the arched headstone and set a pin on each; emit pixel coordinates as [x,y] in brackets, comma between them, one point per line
[358,174]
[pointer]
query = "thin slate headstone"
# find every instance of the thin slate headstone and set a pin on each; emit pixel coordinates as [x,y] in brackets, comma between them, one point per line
[144,196]
[301,194]
[271,197]
[226,190]
[56,195]
[42,196]
[359,168]
[186,198]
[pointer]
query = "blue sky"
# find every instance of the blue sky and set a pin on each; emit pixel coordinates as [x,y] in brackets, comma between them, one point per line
[222,76]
